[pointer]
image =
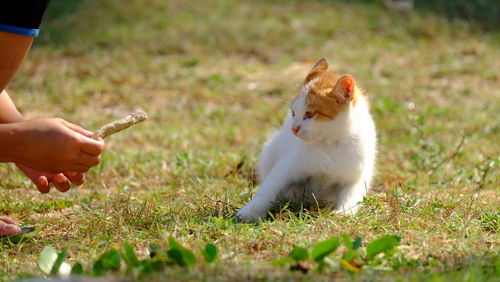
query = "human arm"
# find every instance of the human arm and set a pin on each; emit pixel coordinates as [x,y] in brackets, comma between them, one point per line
[42,180]
[42,170]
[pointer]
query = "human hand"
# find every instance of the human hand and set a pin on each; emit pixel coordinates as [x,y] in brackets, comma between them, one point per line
[8,227]
[43,180]
[55,146]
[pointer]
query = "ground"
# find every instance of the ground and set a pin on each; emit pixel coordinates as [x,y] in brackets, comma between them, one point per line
[215,78]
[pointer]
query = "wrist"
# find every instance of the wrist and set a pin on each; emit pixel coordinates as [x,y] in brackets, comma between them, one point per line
[11,144]
[12,117]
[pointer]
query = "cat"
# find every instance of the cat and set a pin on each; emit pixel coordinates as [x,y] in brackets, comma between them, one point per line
[325,149]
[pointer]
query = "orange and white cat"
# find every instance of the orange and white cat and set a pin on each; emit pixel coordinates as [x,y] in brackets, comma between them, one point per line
[325,150]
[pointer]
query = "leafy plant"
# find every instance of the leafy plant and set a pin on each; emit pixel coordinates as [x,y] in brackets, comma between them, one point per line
[51,262]
[179,254]
[109,261]
[382,245]
[209,253]
[352,259]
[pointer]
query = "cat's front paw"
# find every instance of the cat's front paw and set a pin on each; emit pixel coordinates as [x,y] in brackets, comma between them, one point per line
[252,212]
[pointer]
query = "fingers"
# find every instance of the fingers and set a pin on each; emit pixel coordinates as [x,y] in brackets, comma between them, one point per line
[88,160]
[7,228]
[93,147]
[43,180]
[42,184]
[61,182]
[89,145]
[7,220]
[75,177]
[80,168]
[78,129]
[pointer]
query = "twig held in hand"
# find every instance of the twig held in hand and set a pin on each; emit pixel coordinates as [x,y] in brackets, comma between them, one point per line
[121,124]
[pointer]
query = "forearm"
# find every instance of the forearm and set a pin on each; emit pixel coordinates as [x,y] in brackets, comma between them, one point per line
[10,143]
[8,111]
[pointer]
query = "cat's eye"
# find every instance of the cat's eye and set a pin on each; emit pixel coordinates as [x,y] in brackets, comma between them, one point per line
[308,115]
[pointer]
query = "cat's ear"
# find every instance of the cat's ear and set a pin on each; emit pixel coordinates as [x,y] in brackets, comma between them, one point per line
[319,67]
[344,90]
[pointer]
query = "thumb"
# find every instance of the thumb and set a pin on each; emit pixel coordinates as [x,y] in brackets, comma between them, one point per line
[7,229]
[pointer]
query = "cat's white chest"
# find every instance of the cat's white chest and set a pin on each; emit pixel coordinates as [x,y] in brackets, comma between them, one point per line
[338,162]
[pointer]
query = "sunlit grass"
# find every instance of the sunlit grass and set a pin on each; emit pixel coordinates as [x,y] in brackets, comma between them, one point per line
[215,78]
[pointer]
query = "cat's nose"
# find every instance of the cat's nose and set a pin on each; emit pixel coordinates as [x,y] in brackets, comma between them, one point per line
[296,129]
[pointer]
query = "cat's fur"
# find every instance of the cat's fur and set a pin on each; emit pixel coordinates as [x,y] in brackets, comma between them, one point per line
[324,151]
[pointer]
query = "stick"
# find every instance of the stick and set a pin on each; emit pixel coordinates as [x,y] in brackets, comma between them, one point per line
[121,124]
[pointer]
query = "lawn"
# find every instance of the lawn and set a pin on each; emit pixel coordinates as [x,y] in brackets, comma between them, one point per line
[215,77]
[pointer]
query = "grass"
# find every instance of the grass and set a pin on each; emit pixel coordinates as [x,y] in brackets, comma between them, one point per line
[215,77]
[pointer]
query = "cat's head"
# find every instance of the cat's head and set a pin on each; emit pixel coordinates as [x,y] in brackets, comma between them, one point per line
[322,104]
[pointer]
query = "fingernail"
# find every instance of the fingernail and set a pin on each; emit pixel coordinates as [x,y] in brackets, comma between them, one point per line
[60,180]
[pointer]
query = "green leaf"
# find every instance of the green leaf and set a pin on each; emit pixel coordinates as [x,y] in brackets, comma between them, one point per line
[210,252]
[151,266]
[188,257]
[48,257]
[324,248]
[179,254]
[282,262]
[349,255]
[59,260]
[182,257]
[109,261]
[299,254]
[347,242]
[77,269]
[173,243]
[129,255]
[176,256]
[357,243]
[382,245]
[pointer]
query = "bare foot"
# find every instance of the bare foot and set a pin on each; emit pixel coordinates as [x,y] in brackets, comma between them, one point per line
[8,227]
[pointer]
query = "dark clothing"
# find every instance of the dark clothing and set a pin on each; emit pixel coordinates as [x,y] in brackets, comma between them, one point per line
[22,16]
